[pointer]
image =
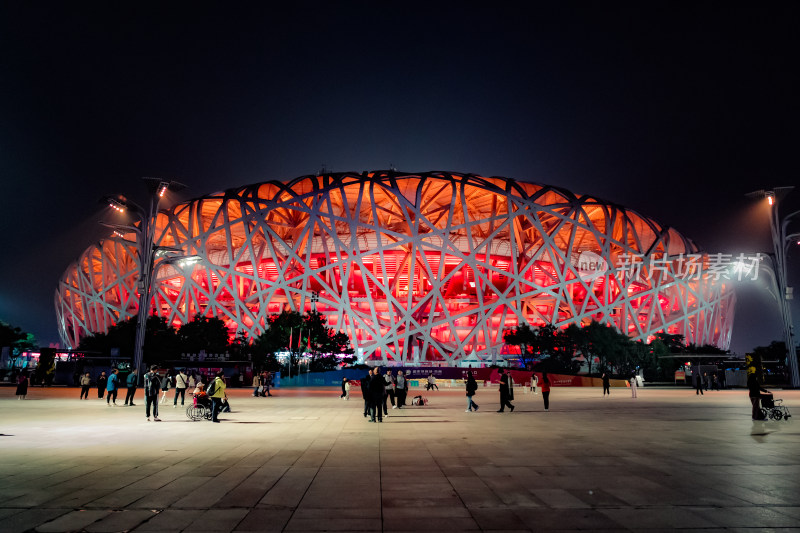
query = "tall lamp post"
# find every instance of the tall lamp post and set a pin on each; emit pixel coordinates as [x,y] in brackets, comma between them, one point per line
[780,243]
[145,234]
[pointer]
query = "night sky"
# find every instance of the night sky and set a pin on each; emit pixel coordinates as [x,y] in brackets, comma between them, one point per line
[675,110]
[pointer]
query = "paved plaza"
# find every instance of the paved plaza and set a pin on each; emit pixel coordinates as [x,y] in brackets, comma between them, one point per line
[306,461]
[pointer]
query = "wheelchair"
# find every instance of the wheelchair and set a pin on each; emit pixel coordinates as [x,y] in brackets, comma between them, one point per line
[774,409]
[201,409]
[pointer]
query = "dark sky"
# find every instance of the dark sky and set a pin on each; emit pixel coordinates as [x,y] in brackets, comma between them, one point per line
[674,109]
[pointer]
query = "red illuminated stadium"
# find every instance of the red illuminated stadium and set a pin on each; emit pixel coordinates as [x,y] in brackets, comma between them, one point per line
[414,267]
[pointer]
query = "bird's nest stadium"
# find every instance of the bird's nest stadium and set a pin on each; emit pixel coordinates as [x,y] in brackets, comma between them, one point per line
[413,267]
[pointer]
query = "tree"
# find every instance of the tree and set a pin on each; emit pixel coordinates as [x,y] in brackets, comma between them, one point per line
[15,339]
[160,341]
[281,335]
[204,333]
[525,337]
[302,334]
[324,345]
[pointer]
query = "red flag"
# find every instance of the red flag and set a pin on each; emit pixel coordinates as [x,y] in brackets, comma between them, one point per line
[291,330]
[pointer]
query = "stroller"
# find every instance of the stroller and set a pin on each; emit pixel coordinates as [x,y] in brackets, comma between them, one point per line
[772,408]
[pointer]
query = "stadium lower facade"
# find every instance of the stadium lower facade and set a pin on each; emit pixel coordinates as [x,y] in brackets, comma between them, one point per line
[413,267]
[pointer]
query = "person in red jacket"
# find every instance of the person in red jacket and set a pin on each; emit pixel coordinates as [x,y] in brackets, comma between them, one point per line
[546,391]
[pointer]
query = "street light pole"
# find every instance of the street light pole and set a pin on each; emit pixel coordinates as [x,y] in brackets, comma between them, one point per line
[145,235]
[780,243]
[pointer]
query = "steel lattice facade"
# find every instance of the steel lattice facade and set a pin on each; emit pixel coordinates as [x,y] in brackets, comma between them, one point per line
[432,266]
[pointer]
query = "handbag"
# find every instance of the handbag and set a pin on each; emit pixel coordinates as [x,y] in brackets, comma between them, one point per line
[260,388]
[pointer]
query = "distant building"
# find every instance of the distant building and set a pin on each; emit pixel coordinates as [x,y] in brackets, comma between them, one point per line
[414,267]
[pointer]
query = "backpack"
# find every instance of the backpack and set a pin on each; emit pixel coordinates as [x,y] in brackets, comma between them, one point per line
[212,387]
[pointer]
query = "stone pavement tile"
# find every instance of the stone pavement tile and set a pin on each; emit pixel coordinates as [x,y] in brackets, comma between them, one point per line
[169,520]
[290,488]
[749,517]
[479,498]
[264,520]
[559,498]
[30,518]
[284,458]
[217,520]
[425,523]
[160,499]
[312,458]
[73,521]
[511,493]
[323,513]
[8,512]
[420,499]
[566,519]
[339,497]
[213,489]
[250,491]
[597,498]
[333,524]
[659,517]
[36,497]
[395,513]
[118,499]
[789,511]
[76,498]
[749,496]
[497,518]
[120,521]
[638,497]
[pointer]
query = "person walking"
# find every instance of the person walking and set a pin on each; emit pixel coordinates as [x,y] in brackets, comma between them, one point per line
[754,390]
[698,383]
[391,385]
[131,382]
[432,382]
[267,383]
[152,384]
[343,395]
[606,384]
[112,387]
[472,388]
[257,385]
[101,385]
[546,391]
[181,382]
[504,392]
[535,383]
[22,386]
[86,384]
[377,388]
[216,391]
[365,392]
[633,386]
[401,390]
[165,382]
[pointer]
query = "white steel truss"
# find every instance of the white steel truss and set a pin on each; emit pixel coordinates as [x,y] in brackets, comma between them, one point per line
[432,266]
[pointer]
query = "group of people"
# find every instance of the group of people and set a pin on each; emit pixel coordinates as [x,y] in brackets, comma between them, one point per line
[108,386]
[261,384]
[507,391]
[705,381]
[377,389]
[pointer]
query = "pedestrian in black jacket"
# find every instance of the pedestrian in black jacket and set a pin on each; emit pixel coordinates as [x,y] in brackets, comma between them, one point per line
[377,388]
[365,392]
[754,391]
[505,394]
[472,387]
